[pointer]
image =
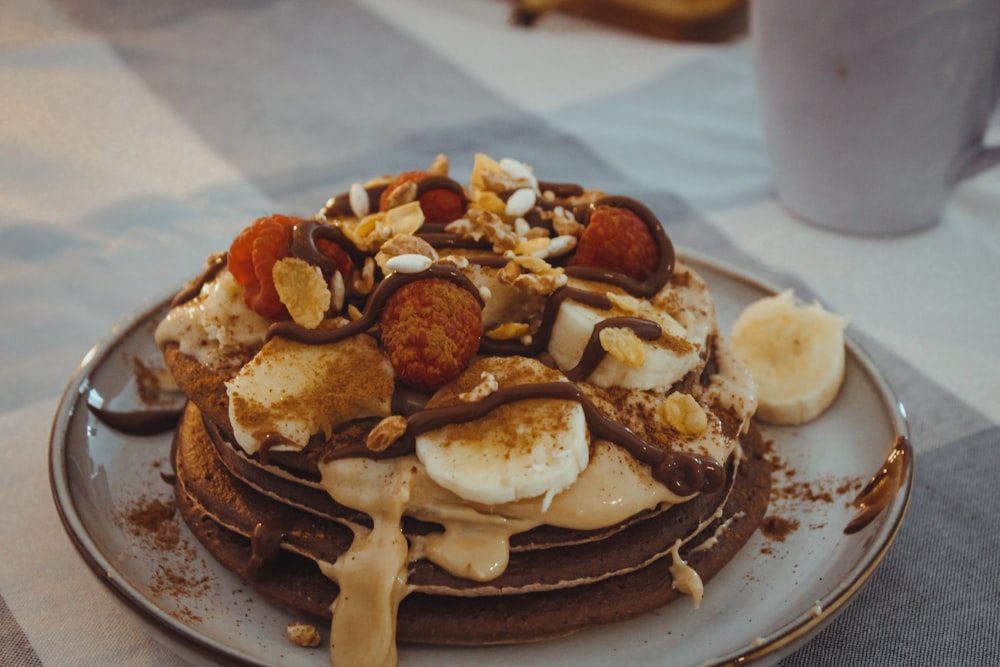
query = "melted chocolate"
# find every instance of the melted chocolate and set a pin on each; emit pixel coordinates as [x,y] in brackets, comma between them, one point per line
[340,205]
[561,190]
[304,245]
[681,472]
[373,308]
[594,352]
[137,422]
[540,339]
[664,267]
[429,183]
[215,264]
[265,545]
[883,486]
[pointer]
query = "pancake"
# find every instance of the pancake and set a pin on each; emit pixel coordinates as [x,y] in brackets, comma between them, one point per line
[582,587]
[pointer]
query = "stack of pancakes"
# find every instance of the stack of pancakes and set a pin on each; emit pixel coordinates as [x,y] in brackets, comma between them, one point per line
[272,515]
[557,581]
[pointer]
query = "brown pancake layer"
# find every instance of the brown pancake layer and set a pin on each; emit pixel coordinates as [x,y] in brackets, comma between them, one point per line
[223,511]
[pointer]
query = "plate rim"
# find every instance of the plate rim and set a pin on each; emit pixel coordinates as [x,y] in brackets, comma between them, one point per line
[789,637]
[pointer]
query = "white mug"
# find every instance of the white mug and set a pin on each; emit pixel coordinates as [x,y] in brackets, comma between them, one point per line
[873,110]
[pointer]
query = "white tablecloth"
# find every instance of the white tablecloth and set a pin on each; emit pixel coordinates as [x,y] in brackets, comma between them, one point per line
[137,137]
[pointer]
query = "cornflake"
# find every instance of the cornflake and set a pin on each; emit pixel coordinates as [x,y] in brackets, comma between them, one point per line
[624,345]
[303,290]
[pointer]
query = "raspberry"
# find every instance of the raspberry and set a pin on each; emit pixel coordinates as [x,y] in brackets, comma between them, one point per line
[441,205]
[252,256]
[337,255]
[430,329]
[618,240]
[438,205]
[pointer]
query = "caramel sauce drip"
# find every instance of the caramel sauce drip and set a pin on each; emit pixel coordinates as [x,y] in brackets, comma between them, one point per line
[883,486]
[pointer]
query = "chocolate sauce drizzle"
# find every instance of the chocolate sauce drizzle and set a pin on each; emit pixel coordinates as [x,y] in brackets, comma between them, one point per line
[664,267]
[680,472]
[373,308]
[304,238]
[215,264]
[883,486]
[142,422]
[265,546]
[594,353]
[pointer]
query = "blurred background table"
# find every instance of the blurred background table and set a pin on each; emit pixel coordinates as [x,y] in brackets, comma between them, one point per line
[136,137]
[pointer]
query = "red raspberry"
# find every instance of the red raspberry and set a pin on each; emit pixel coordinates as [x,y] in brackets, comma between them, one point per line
[438,205]
[442,205]
[430,329]
[618,240]
[252,256]
[337,255]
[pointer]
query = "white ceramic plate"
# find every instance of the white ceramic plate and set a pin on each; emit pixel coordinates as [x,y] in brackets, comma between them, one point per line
[770,599]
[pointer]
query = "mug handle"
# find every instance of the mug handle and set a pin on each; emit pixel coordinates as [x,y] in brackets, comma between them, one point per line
[980,160]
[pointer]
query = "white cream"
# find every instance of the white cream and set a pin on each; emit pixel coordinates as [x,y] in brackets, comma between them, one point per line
[215,324]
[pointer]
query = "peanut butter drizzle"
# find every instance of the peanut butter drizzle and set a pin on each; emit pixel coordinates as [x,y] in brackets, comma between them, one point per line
[883,486]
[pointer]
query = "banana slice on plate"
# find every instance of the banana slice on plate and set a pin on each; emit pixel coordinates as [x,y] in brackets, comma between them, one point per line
[795,354]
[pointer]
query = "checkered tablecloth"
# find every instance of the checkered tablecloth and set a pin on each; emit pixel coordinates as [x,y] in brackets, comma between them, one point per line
[135,137]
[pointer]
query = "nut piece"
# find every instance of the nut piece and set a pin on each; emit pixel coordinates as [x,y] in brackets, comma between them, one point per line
[488,385]
[403,244]
[508,331]
[302,289]
[386,432]
[440,166]
[624,345]
[304,634]
[683,413]
[401,194]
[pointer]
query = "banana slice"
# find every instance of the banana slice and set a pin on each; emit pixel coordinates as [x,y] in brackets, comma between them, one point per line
[663,362]
[524,449]
[795,354]
[292,390]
